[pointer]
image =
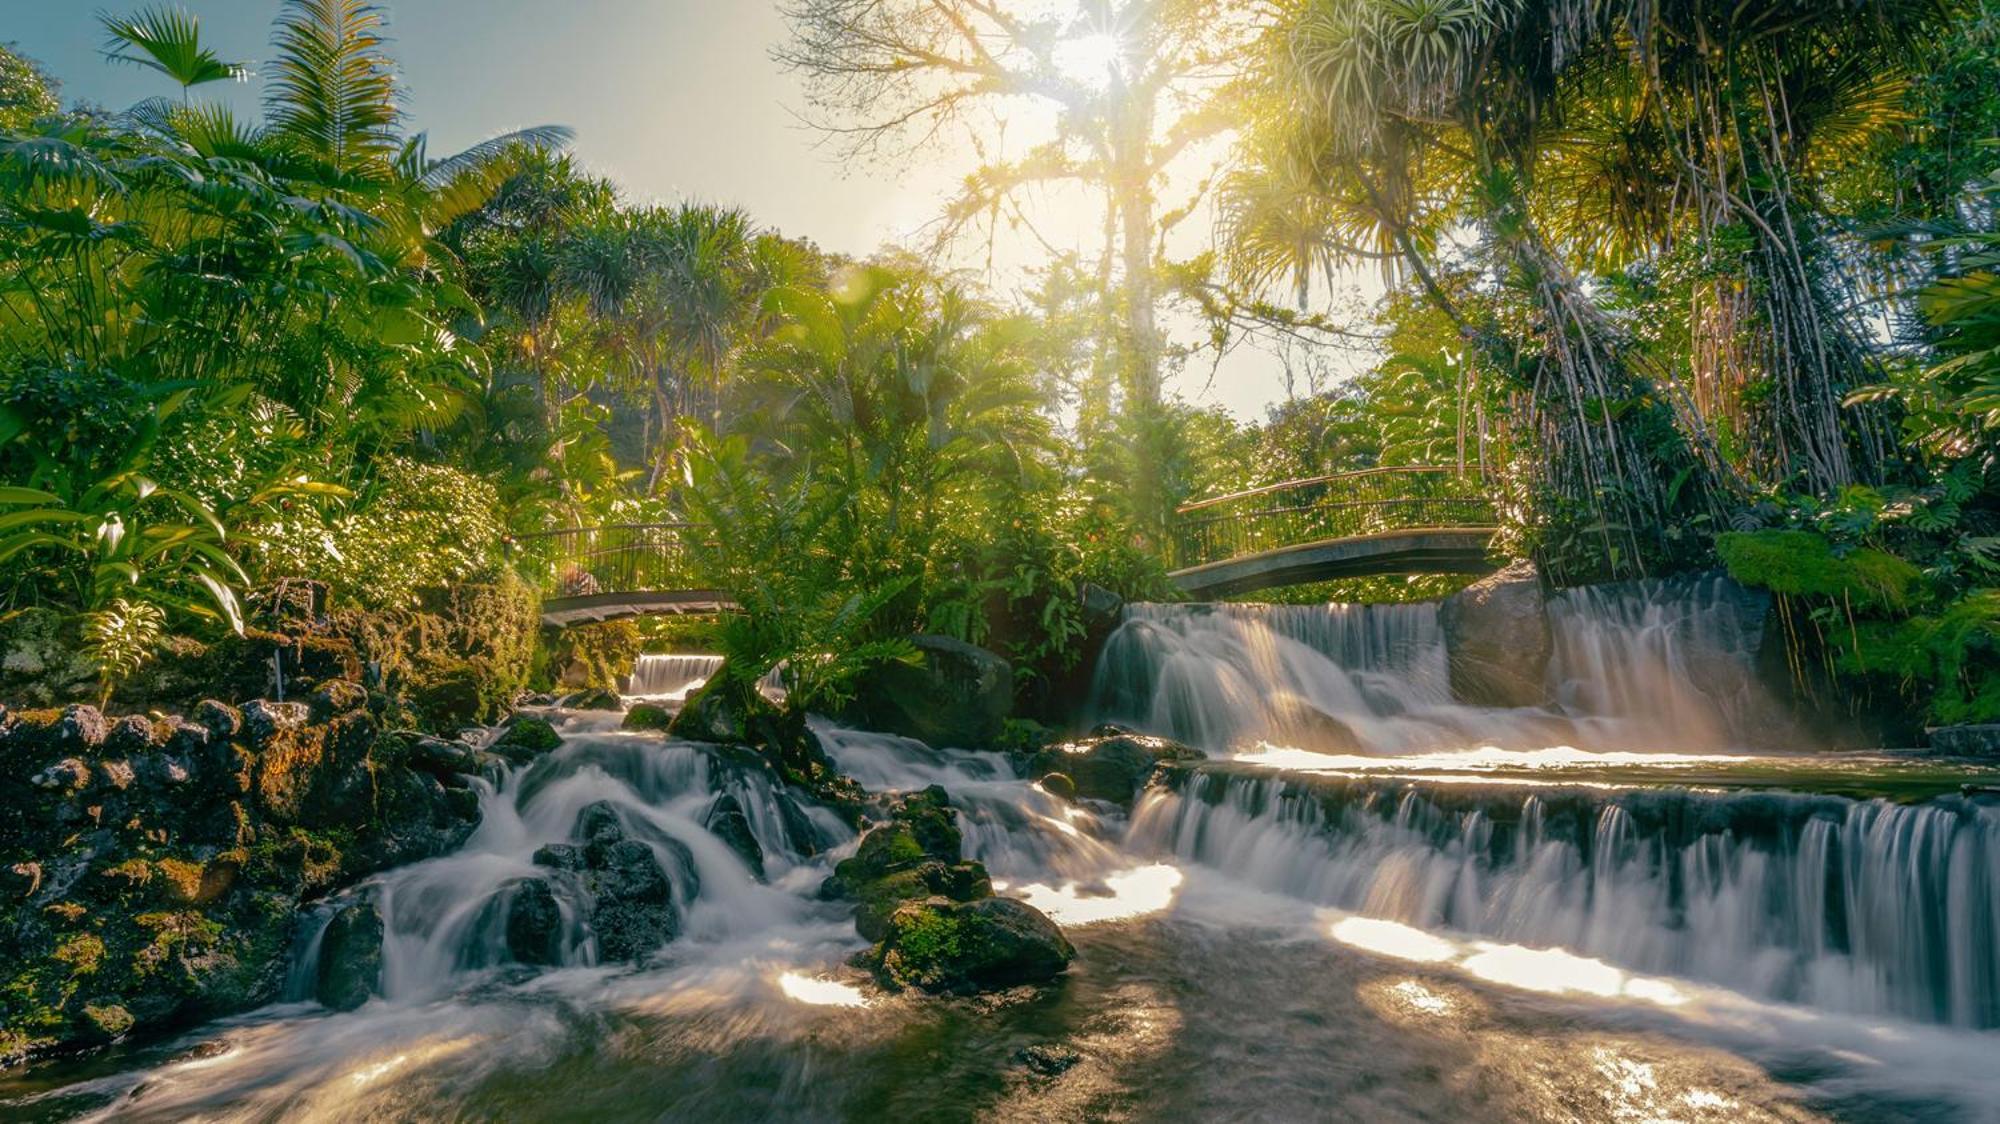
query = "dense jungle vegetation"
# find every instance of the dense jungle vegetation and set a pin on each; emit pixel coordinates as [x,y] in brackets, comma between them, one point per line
[1696,286]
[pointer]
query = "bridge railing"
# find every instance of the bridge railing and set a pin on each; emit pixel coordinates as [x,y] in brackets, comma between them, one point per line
[617,558]
[1327,507]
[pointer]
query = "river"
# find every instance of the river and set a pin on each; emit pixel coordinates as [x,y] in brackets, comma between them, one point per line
[1639,905]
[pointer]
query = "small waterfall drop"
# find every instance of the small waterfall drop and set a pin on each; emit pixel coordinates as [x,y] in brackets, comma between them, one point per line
[671,677]
[1860,906]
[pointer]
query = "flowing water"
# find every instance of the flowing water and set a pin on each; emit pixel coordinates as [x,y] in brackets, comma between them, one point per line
[1372,903]
[671,678]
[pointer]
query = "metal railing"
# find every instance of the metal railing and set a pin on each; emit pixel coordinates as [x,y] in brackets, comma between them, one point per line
[1346,505]
[620,558]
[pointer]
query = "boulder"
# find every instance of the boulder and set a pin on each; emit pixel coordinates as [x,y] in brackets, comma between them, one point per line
[718,714]
[336,697]
[594,698]
[534,922]
[1966,741]
[940,945]
[1498,640]
[1112,766]
[647,716]
[525,737]
[956,695]
[629,898]
[726,821]
[264,720]
[350,957]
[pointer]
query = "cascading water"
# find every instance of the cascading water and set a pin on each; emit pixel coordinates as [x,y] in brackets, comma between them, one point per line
[1687,906]
[1640,666]
[671,677]
[1862,906]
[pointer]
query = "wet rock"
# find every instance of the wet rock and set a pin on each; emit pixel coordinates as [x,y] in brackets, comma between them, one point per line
[594,698]
[647,716]
[526,737]
[632,910]
[559,856]
[1498,640]
[1047,1060]
[720,713]
[1966,741]
[1114,767]
[534,922]
[727,822]
[957,695]
[1059,785]
[350,957]
[437,755]
[1301,725]
[940,945]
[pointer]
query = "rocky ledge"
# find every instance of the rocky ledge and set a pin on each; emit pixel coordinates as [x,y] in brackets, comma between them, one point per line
[153,870]
[935,921]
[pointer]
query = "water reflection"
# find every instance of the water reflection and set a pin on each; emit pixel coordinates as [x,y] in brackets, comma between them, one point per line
[1131,893]
[820,992]
[1552,971]
[1388,938]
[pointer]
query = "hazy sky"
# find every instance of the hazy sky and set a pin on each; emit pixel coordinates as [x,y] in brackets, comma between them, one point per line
[671,99]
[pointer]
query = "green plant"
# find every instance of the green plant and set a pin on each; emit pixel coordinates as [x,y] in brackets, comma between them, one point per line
[121,638]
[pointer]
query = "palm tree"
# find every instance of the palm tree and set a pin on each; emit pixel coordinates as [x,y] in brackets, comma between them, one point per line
[167,40]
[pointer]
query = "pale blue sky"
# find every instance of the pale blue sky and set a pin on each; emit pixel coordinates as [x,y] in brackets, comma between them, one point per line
[671,99]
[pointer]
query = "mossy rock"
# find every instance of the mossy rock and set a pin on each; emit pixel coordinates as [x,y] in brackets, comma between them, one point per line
[1113,767]
[647,716]
[940,945]
[527,736]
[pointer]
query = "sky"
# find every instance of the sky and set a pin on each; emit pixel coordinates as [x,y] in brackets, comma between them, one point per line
[670,99]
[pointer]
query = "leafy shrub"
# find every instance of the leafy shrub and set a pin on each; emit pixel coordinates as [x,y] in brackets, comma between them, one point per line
[415,526]
[121,638]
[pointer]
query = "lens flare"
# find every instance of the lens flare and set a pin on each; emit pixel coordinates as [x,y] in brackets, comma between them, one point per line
[1088,60]
[818,992]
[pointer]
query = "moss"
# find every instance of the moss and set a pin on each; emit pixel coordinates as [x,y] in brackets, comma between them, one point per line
[594,655]
[646,716]
[83,952]
[929,940]
[133,872]
[183,879]
[1804,564]
[110,1020]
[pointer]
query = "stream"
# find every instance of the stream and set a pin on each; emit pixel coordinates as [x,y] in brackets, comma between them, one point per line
[1633,905]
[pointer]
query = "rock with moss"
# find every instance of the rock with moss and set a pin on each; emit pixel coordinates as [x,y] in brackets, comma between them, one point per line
[593,698]
[945,946]
[525,737]
[954,694]
[647,716]
[159,868]
[598,655]
[1112,765]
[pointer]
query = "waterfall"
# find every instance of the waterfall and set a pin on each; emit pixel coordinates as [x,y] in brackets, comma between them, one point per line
[1861,906]
[449,916]
[1636,666]
[671,677]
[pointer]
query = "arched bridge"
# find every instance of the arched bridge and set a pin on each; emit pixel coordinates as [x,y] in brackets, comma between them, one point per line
[608,573]
[1421,519]
[1416,520]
